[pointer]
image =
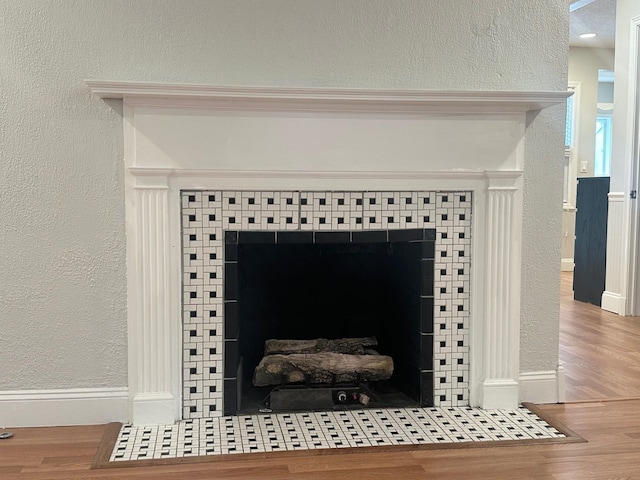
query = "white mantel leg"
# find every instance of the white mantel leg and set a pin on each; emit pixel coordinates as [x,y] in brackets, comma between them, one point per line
[502,300]
[151,354]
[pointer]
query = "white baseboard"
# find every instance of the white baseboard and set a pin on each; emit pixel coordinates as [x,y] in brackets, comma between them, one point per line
[566,265]
[613,302]
[77,406]
[542,387]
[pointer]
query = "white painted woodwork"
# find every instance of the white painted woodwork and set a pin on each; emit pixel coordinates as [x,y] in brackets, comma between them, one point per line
[234,138]
[614,298]
[71,406]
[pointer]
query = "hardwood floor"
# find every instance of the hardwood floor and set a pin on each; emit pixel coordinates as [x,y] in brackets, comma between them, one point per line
[601,354]
[599,350]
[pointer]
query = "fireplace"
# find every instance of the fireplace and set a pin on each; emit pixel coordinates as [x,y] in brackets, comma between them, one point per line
[237,140]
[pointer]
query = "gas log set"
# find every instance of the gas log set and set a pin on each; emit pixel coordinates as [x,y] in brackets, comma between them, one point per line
[321,373]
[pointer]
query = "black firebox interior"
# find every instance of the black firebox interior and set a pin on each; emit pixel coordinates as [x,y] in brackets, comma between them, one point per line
[306,285]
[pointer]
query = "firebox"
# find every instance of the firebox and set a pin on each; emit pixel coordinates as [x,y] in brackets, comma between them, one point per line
[308,285]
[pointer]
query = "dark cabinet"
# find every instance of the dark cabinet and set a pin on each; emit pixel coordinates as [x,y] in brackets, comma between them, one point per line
[591,239]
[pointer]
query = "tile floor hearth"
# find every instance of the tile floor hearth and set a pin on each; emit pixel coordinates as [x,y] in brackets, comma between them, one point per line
[321,430]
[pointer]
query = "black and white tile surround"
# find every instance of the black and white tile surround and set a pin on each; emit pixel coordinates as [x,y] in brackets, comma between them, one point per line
[207,214]
[320,430]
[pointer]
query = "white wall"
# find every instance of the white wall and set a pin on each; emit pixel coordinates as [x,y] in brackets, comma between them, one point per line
[61,186]
[621,250]
[584,64]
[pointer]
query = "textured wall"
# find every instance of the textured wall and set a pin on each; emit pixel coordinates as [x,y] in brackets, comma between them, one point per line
[63,315]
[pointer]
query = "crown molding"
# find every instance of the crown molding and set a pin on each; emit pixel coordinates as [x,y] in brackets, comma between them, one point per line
[325,99]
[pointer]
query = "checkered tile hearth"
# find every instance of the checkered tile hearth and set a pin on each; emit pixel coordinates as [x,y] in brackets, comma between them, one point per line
[335,429]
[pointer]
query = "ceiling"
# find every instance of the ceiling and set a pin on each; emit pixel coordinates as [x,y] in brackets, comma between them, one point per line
[598,16]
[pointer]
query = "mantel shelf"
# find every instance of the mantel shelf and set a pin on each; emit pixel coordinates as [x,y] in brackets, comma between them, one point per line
[325,99]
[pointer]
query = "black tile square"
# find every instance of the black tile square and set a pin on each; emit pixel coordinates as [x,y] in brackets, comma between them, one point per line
[230,358]
[332,237]
[426,278]
[256,237]
[295,237]
[289,201]
[230,281]
[231,320]
[406,235]
[192,198]
[212,198]
[373,236]
[428,249]
[426,352]
[358,201]
[430,234]
[230,252]
[426,389]
[230,396]
[426,314]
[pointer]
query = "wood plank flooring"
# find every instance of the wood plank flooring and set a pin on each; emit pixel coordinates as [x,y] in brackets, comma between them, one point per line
[599,350]
[601,354]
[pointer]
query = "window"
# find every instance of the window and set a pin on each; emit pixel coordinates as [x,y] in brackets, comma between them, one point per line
[603,146]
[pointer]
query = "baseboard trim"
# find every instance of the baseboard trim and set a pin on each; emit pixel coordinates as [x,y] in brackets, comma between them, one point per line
[566,265]
[613,302]
[76,406]
[542,387]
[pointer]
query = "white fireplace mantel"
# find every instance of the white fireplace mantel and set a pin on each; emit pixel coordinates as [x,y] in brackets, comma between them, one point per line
[237,138]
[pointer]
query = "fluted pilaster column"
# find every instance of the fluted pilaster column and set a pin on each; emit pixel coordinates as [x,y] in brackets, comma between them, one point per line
[151,324]
[502,293]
